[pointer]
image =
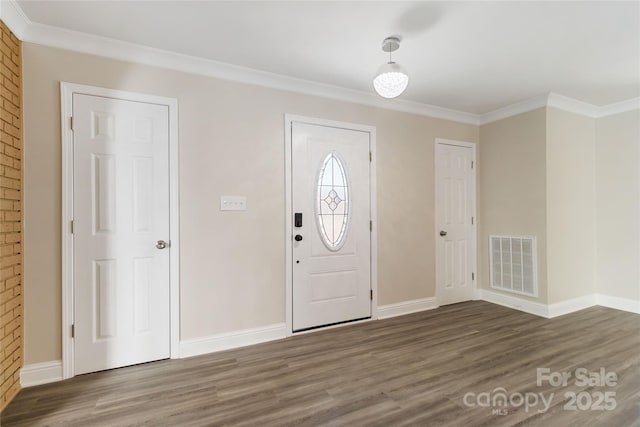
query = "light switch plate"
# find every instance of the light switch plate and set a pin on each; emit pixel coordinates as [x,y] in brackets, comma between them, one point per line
[233,203]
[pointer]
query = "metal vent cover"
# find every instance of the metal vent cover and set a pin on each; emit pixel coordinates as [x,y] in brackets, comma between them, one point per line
[513,264]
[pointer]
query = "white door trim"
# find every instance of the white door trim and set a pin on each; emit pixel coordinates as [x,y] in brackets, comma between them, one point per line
[474,238]
[66,100]
[288,234]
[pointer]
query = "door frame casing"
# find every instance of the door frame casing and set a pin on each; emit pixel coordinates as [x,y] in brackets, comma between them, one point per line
[474,227]
[288,235]
[67,90]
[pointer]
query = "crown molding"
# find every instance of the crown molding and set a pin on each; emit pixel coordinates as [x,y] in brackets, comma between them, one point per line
[130,52]
[585,109]
[618,107]
[14,18]
[514,109]
[560,102]
[571,105]
[32,32]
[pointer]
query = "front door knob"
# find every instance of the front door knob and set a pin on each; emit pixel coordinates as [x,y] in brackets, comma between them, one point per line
[161,244]
[298,237]
[443,233]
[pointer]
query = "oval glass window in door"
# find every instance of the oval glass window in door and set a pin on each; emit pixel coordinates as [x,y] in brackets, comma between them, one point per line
[333,203]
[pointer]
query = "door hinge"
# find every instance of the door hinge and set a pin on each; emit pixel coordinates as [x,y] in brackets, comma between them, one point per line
[471,164]
[71,122]
[371,295]
[72,226]
[371,226]
[473,276]
[370,156]
[73,331]
[471,220]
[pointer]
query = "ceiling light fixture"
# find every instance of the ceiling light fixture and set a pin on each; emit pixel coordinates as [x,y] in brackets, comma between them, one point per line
[391,79]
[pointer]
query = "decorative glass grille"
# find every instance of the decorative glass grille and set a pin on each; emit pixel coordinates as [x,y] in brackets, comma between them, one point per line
[333,204]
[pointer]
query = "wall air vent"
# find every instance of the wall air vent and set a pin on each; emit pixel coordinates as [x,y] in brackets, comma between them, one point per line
[512,264]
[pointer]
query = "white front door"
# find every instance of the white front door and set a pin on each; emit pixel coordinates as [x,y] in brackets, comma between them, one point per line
[455,224]
[121,211]
[331,225]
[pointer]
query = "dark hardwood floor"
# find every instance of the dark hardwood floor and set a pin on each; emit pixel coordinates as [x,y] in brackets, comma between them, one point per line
[418,369]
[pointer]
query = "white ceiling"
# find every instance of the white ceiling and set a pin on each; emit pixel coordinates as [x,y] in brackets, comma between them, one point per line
[474,57]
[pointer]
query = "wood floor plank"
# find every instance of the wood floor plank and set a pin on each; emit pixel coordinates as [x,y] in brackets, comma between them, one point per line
[412,370]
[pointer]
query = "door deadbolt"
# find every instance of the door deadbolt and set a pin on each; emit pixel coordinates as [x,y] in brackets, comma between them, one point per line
[443,233]
[298,237]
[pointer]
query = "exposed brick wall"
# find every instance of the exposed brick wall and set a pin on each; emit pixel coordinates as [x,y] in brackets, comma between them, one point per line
[11,313]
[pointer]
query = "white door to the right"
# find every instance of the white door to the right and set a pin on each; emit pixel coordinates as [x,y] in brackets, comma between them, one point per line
[455,251]
[331,205]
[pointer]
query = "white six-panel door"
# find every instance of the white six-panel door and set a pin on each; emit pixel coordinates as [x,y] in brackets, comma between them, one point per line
[121,211]
[332,238]
[455,243]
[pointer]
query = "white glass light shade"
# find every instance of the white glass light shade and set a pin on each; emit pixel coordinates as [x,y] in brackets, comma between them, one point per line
[390,80]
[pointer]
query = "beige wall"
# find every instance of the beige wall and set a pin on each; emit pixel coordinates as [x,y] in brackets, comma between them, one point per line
[512,188]
[570,205]
[574,182]
[231,142]
[617,165]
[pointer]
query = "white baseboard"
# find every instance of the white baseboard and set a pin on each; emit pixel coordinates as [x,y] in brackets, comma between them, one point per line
[48,372]
[571,305]
[563,307]
[229,340]
[618,303]
[41,373]
[406,307]
[521,304]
